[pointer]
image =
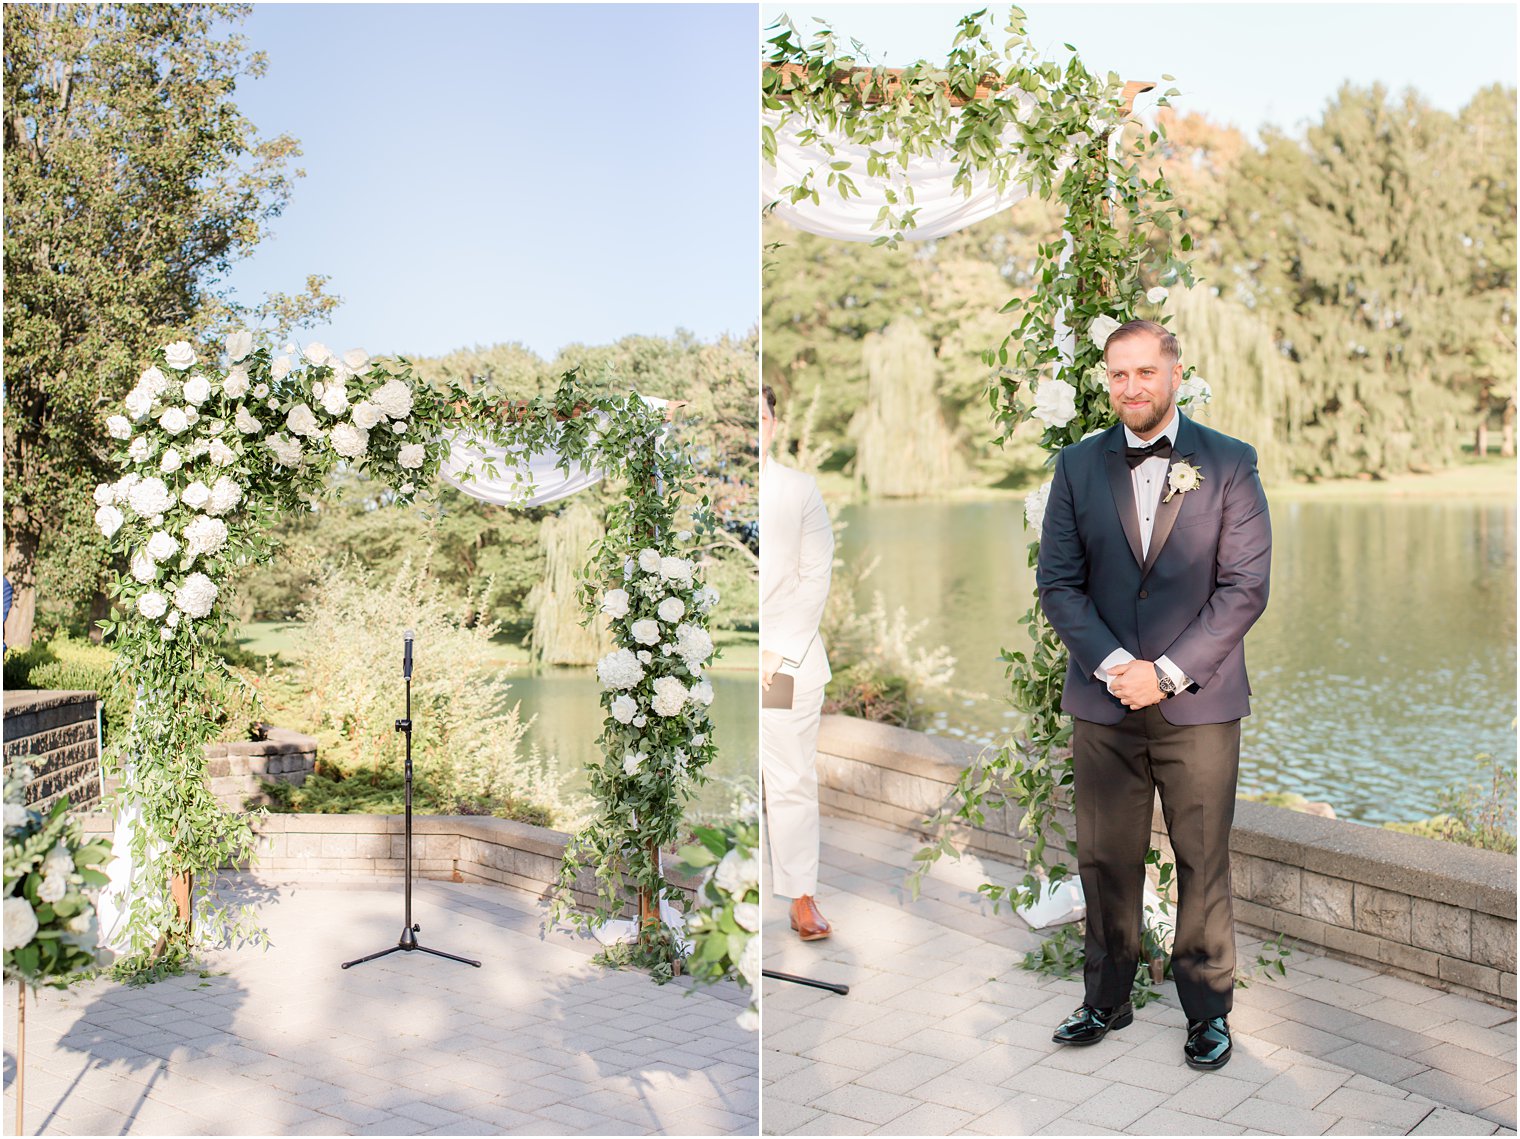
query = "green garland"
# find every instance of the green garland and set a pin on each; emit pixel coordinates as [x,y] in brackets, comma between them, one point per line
[213,455]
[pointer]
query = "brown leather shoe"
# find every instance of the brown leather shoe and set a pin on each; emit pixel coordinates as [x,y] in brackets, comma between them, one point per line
[807,921]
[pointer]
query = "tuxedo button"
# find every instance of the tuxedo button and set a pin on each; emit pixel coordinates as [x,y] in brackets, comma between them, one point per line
[1143,595]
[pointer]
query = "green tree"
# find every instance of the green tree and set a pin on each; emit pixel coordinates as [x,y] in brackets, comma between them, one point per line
[132,183]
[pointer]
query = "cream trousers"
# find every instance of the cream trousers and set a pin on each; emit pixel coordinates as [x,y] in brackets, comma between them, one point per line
[789,769]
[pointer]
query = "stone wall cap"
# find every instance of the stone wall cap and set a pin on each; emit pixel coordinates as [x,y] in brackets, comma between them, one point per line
[18,700]
[898,749]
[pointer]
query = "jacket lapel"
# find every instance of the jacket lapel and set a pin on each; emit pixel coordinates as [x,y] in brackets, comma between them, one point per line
[1166,512]
[1123,486]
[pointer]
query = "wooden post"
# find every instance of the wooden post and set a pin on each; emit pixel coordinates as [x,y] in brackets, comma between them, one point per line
[20,1054]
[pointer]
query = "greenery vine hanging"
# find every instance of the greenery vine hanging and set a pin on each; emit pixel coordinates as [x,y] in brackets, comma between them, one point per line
[1060,131]
[215,450]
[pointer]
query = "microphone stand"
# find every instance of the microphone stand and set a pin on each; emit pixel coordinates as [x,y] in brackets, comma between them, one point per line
[409,930]
[811,982]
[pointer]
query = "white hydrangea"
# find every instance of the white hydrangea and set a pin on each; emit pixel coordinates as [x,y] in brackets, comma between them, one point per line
[195,596]
[221,454]
[394,398]
[152,605]
[162,546]
[646,632]
[624,708]
[196,495]
[301,420]
[649,560]
[677,569]
[349,441]
[174,421]
[246,423]
[614,604]
[150,497]
[693,645]
[287,451]
[225,495]
[119,427]
[235,386]
[179,355]
[669,696]
[335,398]
[144,569]
[671,610]
[619,670]
[137,451]
[411,456]
[702,693]
[105,494]
[365,415]
[204,536]
[197,389]
[239,344]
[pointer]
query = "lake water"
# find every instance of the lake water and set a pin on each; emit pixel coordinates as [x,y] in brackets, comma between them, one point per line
[567,704]
[1384,664]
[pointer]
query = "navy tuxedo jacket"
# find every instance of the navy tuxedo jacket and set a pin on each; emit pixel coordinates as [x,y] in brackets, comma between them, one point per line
[1192,599]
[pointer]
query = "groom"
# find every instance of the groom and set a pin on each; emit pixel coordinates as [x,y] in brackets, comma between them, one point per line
[1154,559]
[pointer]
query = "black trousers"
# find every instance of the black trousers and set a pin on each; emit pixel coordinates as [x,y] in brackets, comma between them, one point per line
[1118,768]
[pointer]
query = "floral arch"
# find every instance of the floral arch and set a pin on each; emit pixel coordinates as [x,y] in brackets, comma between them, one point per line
[215,447]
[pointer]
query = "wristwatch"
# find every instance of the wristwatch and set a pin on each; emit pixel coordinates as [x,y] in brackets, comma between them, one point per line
[1167,685]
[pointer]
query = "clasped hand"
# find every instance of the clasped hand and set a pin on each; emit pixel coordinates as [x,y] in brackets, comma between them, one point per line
[770,662]
[1134,683]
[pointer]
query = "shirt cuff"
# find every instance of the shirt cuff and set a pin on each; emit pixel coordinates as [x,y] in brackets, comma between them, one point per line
[1179,678]
[1120,655]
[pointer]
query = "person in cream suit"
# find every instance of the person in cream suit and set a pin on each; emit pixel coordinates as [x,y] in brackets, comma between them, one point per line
[796,558]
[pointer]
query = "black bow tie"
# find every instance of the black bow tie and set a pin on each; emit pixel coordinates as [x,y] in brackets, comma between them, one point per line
[1134,456]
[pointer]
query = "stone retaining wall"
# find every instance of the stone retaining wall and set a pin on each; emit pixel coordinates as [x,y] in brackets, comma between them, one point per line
[234,769]
[1433,911]
[57,734]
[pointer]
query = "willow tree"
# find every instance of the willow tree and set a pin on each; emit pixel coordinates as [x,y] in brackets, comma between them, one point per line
[903,449]
[560,633]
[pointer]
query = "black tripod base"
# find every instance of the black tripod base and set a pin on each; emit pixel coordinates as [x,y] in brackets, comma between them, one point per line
[811,982]
[408,944]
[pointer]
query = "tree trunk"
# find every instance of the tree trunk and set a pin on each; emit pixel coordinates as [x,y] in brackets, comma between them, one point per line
[1507,444]
[100,609]
[21,568]
[1480,440]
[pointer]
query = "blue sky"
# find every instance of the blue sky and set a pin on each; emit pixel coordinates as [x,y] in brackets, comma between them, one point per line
[1243,64]
[540,173]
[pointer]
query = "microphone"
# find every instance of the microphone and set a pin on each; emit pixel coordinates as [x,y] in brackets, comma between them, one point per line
[406,661]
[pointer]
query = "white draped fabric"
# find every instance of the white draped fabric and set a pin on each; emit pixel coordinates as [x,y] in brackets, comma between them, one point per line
[941,207]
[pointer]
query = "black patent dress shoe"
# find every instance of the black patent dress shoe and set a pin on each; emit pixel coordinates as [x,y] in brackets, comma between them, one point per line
[1088,1025]
[1208,1044]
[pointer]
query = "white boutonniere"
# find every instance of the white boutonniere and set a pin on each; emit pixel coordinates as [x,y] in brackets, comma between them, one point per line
[1182,478]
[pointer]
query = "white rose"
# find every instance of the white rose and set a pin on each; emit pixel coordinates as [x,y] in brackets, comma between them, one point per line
[624,708]
[143,567]
[246,423]
[199,448]
[125,484]
[749,962]
[225,495]
[138,450]
[1034,508]
[394,398]
[153,381]
[152,605]
[119,426]
[698,740]
[139,403]
[221,454]
[173,421]
[355,359]
[646,656]
[639,721]
[20,923]
[179,355]
[683,536]
[170,461]
[105,494]
[411,456]
[1157,295]
[649,561]
[150,497]
[196,495]
[632,761]
[235,386]
[287,451]
[197,389]
[349,441]
[317,352]
[204,536]
[302,421]
[646,632]
[191,415]
[676,569]
[619,670]
[671,610]
[702,692]
[747,914]
[335,399]
[1055,403]
[260,391]
[195,597]
[398,428]
[172,619]
[736,874]
[52,888]
[669,696]
[615,603]
[162,546]
[239,344]
[1101,329]
[1195,391]
[279,369]
[406,488]
[365,415]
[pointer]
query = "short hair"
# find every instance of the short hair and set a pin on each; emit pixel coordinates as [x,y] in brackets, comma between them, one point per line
[770,398]
[1169,346]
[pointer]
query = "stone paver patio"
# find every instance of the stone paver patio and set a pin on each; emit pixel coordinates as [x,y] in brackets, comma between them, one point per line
[942,1032]
[538,1041]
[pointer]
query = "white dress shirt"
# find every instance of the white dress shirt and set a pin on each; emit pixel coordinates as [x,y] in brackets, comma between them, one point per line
[1148,480]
